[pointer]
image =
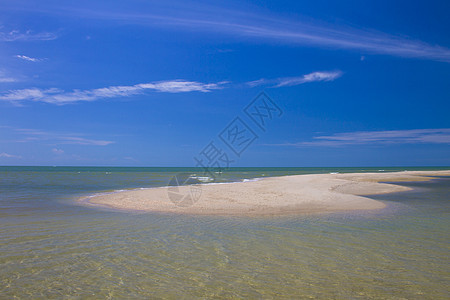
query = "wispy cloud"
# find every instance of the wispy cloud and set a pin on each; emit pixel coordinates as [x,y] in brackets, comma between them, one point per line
[27,58]
[61,97]
[83,141]
[57,151]
[264,27]
[58,96]
[413,136]
[267,28]
[312,77]
[32,135]
[6,155]
[5,78]
[16,35]
[292,81]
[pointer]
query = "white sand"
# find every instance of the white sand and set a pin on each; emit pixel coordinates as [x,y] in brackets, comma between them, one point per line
[268,196]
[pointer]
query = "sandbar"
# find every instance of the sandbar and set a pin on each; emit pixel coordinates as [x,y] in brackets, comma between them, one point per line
[296,194]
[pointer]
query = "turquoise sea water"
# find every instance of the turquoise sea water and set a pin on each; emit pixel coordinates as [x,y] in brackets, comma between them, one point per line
[50,247]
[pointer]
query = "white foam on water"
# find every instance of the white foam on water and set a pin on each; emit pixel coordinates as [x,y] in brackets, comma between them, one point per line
[252,179]
[202,178]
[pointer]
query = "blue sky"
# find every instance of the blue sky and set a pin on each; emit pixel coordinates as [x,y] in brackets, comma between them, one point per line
[153,83]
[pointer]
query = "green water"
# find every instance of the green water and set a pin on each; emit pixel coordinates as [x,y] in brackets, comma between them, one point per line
[51,247]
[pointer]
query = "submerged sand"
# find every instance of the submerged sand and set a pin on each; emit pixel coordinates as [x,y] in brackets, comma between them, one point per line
[312,193]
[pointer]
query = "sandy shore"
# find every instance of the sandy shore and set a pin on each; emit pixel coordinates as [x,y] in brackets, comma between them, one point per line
[268,196]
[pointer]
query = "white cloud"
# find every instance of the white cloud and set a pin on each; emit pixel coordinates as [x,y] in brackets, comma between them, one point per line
[5,78]
[24,94]
[61,97]
[312,77]
[413,136]
[57,151]
[263,27]
[258,82]
[291,81]
[57,96]
[83,141]
[180,86]
[27,58]
[16,35]
[32,135]
[271,28]
[6,155]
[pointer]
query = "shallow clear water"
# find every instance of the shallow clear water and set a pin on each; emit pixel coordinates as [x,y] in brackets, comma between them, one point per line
[50,247]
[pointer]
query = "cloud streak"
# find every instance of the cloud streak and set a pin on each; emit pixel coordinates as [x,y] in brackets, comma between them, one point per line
[32,135]
[293,81]
[265,27]
[27,58]
[268,28]
[16,35]
[6,155]
[57,151]
[413,136]
[83,141]
[5,79]
[60,97]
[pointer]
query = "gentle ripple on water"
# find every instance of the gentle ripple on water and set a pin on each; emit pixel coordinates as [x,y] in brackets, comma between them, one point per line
[51,248]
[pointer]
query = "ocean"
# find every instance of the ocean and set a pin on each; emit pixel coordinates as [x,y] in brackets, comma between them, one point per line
[53,247]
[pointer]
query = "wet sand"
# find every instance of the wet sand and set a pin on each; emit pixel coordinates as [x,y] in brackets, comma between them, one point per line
[314,193]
